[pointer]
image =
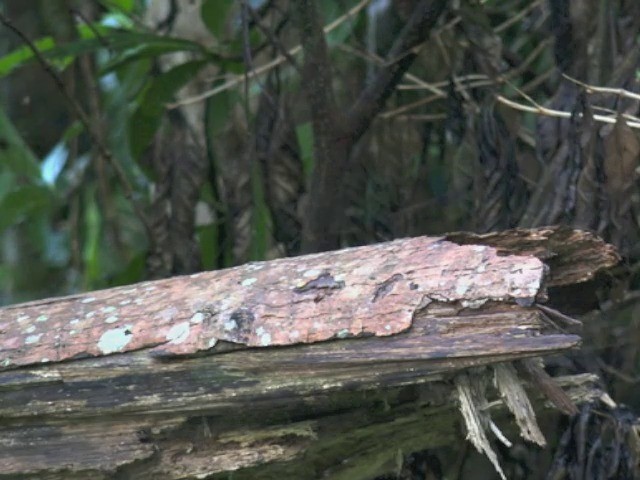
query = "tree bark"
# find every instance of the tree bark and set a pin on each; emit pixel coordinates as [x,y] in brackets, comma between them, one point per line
[335,129]
[279,369]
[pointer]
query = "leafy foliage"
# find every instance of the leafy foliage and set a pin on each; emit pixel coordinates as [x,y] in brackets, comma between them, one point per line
[210,125]
[446,153]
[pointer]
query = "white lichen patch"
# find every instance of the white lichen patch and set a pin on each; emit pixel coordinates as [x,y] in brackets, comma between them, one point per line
[6,362]
[248,281]
[42,318]
[534,286]
[115,340]
[481,268]
[129,291]
[125,302]
[473,303]
[197,318]
[263,336]
[230,325]
[344,333]
[462,286]
[111,319]
[30,329]
[90,314]
[178,333]
[22,318]
[32,338]
[72,332]
[478,248]
[311,273]
[45,360]
[74,321]
[212,342]
[108,309]
[138,301]
[255,266]
[150,288]
[88,300]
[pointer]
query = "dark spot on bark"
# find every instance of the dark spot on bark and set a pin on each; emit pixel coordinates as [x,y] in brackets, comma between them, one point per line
[413,286]
[144,435]
[325,281]
[244,318]
[385,287]
[3,144]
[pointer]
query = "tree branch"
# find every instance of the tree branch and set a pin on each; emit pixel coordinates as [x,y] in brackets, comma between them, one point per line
[320,229]
[399,59]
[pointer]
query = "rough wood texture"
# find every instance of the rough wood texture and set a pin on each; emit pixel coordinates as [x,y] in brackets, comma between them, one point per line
[233,370]
[573,256]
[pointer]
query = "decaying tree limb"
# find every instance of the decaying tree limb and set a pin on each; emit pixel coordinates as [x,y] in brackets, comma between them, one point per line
[295,368]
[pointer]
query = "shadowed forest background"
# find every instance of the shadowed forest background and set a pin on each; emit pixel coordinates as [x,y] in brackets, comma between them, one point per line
[145,139]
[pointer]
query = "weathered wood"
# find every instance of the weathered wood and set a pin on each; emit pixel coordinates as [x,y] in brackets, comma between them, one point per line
[573,256]
[233,369]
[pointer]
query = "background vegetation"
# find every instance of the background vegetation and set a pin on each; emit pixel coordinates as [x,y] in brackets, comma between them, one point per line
[146,139]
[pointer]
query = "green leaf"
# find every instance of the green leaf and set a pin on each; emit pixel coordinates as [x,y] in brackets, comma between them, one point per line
[208,239]
[119,5]
[135,46]
[219,109]
[23,202]
[214,14]
[15,155]
[48,48]
[128,45]
[304,133]
[260,218]
[147,117]
[91,247]
[21,55]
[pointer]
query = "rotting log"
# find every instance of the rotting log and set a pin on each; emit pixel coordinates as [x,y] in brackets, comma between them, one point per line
[294,368]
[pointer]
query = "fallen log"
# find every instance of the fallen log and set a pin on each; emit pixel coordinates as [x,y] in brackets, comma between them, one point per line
[294,368]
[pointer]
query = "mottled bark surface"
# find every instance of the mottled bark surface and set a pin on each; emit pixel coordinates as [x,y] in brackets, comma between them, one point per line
[285,361]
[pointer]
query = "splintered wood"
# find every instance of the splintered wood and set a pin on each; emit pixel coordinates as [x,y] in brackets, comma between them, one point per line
[153,380]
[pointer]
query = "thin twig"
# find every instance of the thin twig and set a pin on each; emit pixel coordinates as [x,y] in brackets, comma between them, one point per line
[540,48]
[473,77]
[272,38]
[378,60]
[246,51]
[238,79]
[410,106]
[83,118]
[621,92]
[422,117]
[557,113]
[533,83]
[517,17]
